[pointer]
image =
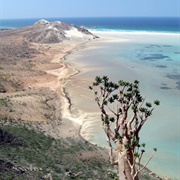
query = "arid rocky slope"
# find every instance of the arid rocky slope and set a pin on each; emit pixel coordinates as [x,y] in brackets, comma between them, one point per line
[29,59]
[47,32]
[32,75]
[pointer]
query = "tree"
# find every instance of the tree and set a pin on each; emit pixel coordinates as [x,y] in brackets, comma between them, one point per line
[123,114]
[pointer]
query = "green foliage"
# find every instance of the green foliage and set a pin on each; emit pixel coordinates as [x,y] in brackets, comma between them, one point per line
[120,137]
[143,144]
[136,82]
[142,109]
[111,99]
[135,142]
[122,104]
[134,108]
[149,105]
[126,94]
[3,102]
[116,178]
[98,80]
[136,154]
[105,102]
[111,119]
[156,102]
[155,149]
[25,148]
[142,151]
[90,87]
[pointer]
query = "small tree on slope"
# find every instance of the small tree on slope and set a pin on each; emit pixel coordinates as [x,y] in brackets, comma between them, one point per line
[123,114]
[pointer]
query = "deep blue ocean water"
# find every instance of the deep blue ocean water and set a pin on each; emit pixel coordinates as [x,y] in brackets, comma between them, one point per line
[152,24]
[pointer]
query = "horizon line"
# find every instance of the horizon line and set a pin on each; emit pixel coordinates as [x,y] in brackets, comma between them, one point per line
[92,17]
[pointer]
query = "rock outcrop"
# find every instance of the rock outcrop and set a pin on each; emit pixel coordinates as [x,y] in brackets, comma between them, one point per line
[55,32]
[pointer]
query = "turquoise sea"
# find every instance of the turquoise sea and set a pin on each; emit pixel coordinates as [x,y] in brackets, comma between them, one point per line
[147,49]
[155,61]
[153,57]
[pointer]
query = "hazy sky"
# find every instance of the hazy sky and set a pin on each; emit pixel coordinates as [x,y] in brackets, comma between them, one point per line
[87,8]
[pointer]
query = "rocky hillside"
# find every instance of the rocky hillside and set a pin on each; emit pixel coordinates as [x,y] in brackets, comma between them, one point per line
[55,32]
[45,32]
[28,154]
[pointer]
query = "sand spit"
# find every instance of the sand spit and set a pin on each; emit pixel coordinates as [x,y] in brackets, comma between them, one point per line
[33,74]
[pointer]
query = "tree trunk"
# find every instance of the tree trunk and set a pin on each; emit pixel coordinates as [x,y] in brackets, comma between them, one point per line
[125,171]
[124,168]
[121,167]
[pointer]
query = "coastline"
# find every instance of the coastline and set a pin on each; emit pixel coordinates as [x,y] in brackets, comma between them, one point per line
[53,75]
[120,32]
[68,127]
[33,76]
[83,79]
[83,69]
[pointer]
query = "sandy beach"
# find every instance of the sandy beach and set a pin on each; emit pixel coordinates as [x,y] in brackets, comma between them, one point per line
[34,84]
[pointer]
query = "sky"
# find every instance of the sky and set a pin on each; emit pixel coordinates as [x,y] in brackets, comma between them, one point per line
[88,8]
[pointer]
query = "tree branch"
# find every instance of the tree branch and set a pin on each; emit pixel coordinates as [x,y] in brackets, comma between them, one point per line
[131,121]
[137,172]
[111,156]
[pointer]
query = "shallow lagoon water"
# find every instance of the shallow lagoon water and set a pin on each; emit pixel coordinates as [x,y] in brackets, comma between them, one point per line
[154,60]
